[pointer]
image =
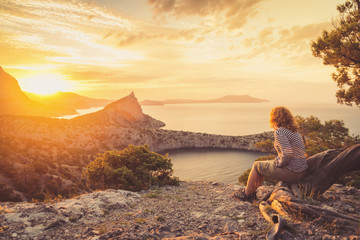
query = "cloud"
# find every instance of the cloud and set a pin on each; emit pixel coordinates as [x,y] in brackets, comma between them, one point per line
[66,29]
[231,14]
[284,41]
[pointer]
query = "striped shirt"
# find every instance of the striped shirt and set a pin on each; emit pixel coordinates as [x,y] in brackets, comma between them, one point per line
[291,150]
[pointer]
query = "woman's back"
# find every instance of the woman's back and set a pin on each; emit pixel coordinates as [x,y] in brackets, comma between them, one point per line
[291,149]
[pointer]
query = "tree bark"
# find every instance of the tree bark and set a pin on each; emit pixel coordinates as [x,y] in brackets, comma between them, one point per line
[325,168]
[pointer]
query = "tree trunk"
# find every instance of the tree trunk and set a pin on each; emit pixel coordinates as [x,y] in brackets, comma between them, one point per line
[325,168]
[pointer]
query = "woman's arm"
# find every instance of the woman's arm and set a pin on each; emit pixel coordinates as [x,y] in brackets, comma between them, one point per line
[284,148]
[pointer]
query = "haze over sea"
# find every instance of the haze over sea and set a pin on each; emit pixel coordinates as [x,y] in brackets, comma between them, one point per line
[233,119]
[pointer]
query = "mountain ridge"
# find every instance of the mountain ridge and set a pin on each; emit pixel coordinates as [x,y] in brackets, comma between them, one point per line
[69,99]
[14,101]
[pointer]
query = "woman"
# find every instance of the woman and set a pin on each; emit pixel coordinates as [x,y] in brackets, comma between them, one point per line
[289,165]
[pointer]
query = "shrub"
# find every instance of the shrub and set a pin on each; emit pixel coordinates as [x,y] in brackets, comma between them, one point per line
[134,168]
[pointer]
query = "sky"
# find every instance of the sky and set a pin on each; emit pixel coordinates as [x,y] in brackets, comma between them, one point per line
[165,49]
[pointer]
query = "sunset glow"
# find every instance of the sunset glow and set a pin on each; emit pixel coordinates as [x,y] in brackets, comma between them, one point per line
[186,49]
[45,83]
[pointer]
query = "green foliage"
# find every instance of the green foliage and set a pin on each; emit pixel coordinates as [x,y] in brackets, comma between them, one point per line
[134,168]
[266,146]
[341,49]
[319,137]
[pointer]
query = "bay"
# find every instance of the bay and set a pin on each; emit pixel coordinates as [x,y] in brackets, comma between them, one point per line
[212,164]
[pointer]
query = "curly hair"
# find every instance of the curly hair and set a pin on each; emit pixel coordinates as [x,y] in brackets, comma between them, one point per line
[282,117]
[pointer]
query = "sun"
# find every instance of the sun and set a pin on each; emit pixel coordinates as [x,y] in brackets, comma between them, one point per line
[45,83]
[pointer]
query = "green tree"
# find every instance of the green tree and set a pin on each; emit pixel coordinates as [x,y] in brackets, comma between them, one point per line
[319,137]
[341,48]
[133,168]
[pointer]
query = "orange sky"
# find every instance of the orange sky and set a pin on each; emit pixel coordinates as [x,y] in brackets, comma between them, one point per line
[168,48]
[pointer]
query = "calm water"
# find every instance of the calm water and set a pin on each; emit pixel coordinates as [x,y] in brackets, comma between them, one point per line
[244,118]
[212,164]
[232,119]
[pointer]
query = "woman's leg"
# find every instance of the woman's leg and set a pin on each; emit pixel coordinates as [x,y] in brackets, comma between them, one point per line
[254,181]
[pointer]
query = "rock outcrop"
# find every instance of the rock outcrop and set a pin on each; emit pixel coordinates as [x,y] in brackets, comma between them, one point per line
[123,112]
[32,220]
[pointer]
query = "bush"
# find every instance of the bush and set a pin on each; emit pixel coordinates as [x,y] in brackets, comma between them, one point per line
[134,168]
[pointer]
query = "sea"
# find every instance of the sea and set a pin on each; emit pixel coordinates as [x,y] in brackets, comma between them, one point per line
[235,119]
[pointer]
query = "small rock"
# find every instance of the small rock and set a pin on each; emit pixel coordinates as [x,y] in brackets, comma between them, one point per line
[55,224]
[14,235]
[327,237]
[164,229]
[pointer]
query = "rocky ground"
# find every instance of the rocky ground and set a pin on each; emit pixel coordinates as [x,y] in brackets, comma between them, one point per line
[193,210]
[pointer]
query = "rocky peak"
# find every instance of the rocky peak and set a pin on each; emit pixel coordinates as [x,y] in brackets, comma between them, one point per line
[127,107]
[125,111]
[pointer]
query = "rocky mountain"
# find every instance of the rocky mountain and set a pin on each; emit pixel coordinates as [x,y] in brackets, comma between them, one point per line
[224,99]
[68,99]
[14,102]
[124,112]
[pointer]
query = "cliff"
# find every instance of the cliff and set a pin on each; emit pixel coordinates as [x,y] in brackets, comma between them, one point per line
[193,210]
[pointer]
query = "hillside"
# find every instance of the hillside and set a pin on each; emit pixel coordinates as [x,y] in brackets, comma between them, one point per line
[224,99]
[14,102]
[42,156]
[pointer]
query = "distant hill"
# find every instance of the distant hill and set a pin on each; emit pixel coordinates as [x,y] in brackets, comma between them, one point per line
[225,99]
[68,99]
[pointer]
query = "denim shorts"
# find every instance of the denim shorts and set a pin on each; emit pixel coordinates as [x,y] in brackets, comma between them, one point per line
[269,169]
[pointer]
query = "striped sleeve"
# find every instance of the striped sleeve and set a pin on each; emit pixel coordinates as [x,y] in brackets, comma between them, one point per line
[284,148]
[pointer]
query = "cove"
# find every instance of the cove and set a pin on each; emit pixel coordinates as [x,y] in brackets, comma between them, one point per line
[220,165]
